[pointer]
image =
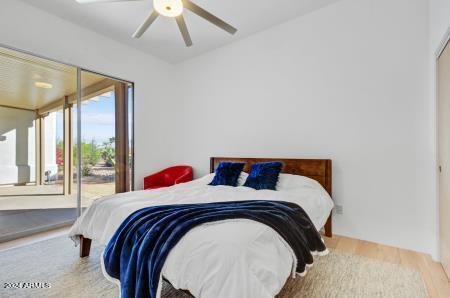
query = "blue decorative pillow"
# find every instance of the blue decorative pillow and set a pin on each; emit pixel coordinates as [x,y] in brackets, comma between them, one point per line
[264,175]
[227,173]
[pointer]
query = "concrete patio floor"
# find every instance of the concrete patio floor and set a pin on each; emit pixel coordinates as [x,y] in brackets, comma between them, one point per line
[16,224]
[26,210]
[49,197]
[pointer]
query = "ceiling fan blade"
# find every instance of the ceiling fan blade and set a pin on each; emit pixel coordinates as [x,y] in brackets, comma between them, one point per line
[184,30]
[100,1]
[208,16]
[141,30]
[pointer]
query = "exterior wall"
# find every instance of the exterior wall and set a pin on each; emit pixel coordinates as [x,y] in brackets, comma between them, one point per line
[17,146]
[50,144]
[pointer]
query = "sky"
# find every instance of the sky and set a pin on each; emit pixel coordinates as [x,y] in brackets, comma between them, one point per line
[97,120]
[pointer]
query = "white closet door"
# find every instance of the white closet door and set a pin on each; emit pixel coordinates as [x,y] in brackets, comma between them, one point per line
[444,155]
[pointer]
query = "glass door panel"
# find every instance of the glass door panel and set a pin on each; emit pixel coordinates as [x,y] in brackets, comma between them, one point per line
[105,135]
[59,125]
[35,99]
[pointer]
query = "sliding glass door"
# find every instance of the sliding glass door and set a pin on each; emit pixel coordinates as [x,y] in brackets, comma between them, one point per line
[65,141]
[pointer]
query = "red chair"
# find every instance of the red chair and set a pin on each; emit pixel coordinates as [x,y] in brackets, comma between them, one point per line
[169,177]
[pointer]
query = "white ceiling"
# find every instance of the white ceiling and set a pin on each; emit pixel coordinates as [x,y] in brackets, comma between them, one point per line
[119,20]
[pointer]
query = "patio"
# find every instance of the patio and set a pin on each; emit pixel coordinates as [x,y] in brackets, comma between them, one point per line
[22,212]
[50,197]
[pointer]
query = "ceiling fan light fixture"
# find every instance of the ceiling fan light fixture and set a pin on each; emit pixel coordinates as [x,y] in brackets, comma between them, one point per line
[174,9]
[168,8]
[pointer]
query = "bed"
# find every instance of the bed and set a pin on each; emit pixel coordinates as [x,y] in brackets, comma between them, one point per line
[213,260]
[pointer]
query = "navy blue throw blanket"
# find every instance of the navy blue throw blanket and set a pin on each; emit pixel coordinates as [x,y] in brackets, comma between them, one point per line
[136,253]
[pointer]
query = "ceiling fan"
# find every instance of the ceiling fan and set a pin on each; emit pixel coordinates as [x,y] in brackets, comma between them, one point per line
[173,9]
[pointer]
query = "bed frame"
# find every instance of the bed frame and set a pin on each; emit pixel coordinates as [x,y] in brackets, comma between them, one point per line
[317,169]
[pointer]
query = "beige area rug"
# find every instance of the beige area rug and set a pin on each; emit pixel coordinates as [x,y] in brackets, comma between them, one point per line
[56,262]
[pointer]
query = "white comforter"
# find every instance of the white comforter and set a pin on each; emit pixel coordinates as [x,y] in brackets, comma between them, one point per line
[232,258]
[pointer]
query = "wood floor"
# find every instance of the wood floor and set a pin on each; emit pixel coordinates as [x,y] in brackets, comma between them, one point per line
[432,272]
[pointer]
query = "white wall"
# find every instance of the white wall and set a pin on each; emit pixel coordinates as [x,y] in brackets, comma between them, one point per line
[17,146]
[50,144]
[31,29]
[439,21]
[349,82]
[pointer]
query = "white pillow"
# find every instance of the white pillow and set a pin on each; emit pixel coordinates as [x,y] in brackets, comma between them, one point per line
[289,181]
[207,178]
[242,178]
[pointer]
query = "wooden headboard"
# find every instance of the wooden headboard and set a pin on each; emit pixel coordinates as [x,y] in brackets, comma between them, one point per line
[317,169]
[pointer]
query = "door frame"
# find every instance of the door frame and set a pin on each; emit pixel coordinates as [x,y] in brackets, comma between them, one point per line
[443,44]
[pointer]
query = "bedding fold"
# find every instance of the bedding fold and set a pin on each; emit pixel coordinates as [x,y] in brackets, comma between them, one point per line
[136,253]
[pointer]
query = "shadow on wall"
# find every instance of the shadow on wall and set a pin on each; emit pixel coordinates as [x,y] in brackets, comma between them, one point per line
[17,146]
